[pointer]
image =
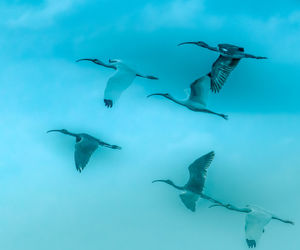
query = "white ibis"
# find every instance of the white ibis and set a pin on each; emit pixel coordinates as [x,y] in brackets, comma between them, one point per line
[85,146]
[119,81]
[230,55]
[193,189]
[197,99]
[256,220]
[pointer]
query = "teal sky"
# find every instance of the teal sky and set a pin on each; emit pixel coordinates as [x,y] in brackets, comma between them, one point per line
[45,204]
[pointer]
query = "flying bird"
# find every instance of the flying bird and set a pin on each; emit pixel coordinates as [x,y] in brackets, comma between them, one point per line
[256,220]
[193,189]
[119,81]
[230,56]
[85,146]
[197,97]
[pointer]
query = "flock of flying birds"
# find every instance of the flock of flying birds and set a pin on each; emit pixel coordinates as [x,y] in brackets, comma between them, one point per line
[230,55]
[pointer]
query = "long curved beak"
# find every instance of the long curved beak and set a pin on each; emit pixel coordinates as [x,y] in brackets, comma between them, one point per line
[156,94]
[53,130]
[84,59]
[158,181]
[186,43]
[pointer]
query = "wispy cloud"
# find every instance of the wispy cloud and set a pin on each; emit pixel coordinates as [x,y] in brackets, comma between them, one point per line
[44,15]
[280,34]
[174,13]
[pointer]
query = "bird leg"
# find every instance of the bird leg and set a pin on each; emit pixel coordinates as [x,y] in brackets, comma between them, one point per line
[231,207]
[104,144]
[284,221]
[212,200]
[214,113]
[255,57]
[148,77]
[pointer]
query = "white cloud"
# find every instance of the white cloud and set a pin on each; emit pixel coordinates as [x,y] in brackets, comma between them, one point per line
[43,16]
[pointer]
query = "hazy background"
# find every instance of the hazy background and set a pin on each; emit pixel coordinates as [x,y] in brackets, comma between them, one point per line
[45,204]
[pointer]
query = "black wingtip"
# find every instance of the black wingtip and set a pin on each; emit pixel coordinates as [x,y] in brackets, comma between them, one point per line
[108,103]
[251,243]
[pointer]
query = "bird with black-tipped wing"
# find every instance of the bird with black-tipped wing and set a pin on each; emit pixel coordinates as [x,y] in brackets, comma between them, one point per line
[193,189]
[256,220]
[85,146]
[230,56]
[119,81]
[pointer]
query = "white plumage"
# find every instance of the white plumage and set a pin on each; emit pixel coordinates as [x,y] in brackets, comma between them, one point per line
[119,81]
[255,223]
[256,220]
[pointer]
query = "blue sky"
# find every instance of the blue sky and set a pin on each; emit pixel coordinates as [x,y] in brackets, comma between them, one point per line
[112,204]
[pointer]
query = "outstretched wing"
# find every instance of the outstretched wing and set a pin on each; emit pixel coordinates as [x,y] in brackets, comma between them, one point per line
[221,69]
[117,83]
[254,227]
[199,90]
[83,152]
[189,200]
[198,172]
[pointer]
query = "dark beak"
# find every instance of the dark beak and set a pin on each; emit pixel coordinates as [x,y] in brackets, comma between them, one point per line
[156,94]
[85,59]
[53,130]
[158,181]
[187,43]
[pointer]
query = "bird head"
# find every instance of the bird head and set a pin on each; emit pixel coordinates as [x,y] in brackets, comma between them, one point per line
[113,61]
[88,59]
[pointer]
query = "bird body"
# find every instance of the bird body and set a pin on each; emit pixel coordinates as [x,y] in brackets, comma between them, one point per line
[119,81]
[256,220]
[85,146]
[193,189]
[197,98]
[230,55]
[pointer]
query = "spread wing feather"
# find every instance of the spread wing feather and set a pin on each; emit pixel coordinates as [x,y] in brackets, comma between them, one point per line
[221,69]
[83,152]
[198,172]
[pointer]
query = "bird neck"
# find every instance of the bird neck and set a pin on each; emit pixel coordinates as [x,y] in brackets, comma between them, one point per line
[78,138]
[180,102]
[69,133]
[171,183]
